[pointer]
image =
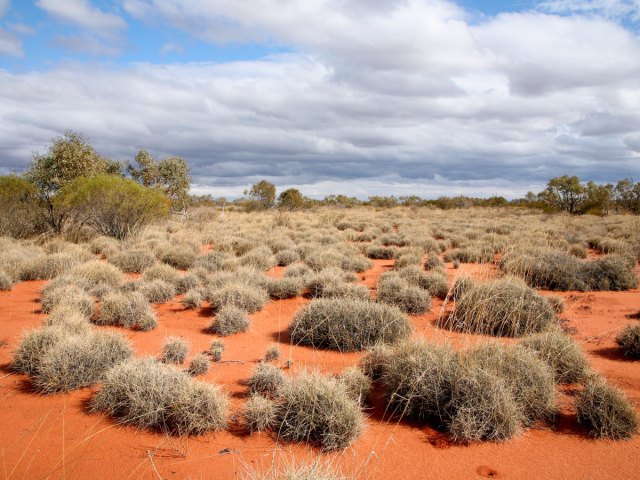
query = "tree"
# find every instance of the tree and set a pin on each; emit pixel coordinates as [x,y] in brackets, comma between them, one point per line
[291,199]
[263,194]
[68,157]
[599,198]
[565,193]
[114,206]
[171,175]
[626,195]
[21,215]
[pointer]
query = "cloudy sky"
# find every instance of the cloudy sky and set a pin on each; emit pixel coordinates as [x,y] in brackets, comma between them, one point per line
[364,97]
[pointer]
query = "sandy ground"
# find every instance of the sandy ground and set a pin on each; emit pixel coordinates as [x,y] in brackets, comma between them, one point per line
[54,437]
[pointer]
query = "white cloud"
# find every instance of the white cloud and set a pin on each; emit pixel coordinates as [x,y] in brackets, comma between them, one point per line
[83,14]
[170,47]
[10,44]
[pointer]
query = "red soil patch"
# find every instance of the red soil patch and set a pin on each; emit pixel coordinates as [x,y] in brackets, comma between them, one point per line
[54,437]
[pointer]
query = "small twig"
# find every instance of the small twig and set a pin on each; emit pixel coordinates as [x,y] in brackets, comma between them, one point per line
[153,464]
[231,361]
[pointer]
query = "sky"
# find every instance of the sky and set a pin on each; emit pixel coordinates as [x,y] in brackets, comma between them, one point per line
[361,97]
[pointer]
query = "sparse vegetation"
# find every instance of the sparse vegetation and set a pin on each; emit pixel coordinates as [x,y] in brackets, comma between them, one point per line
[229,320]
[629,341]
[199,365]
[128,309]
[174,350]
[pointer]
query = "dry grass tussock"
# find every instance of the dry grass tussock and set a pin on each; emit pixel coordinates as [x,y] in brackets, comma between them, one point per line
[149,394]
[394,290]
[316,470]
[128,309]
[347,325]
[229,320]
[199,365]
[132,261]
[629,341]
[504,307]
[174,350]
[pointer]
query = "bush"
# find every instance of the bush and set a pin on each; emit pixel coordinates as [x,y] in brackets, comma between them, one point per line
[238,294]
[166,273]
[193,298]
[561,353]
[46,267]
[288,287]
[126,309]
[317,409]
[629,341]
[95,273]
[556,302]
[70,318]
[21,214]
[174,350]
[434,282]
[328,280]
[266,379]
[229,320]
[216,349]
[114,206]
[32,347]
[393,290]
[157,291]
[186,283]
[148,394]
[347,325]
[69,295]
[377,252]
[199,365]
[6,282]
[77,361]
[605,412]
[133,261]
[272,353]
[504,307]
[260,413]
[287,257]
[179,257]
[358,385]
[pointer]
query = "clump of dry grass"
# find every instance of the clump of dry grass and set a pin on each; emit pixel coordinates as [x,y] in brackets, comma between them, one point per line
[129,309]
[148,394]
[6,282]
[313,471]
[229,320]
[46,267]
[174,350]
[70,318]
[347,324]
[287,257]
[186,283]
[504,307]
[605,412]
[216,350]
[193,298]
[133,261]
[70,295]
[266,379]
[260,413]
[358,385]
[561,353]
[272,353]
[32,347]
[434,282]
[288,287]
[629,341]
[179,257]
[394,290]
[77,361]
[95,273]
[311,408]
[156,291]
[242,295]
[199,365]
[377,252]
[556,302]
[166,273]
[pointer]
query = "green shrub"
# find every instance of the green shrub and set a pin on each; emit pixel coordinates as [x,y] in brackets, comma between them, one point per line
[174,350]
[21,213]
[629,341]
[504,307]
[605,412]
[347,324]
[229,320]
[561,353]
[115,206]
[148,394]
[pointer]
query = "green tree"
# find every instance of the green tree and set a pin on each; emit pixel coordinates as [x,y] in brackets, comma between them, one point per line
[171,175]
[114,206]
[262,194]
[291,199]
[599,198]
[565,193]
[68,157]
[21,214]
[626,195]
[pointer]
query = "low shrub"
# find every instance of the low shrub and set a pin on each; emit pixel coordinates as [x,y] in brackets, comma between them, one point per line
[434,282]
[297,270]
[229,320]
[68,317]
[504,307]
[556,302]
[130,309]
[32,347]
[157,291]
[394,290]
[77,361]
[317,409]
[605,412]
[347,325]
[266,379]
[199,365]
[327,280]
[132,261]
[433,262]
[561,353]
[148,394]
[239,294]
[174,350]
[473,254]
[629,341]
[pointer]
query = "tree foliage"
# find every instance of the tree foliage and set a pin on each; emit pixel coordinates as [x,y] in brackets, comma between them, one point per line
[262,194]
[170,175]
[21,215]
[291,199]
[113,205]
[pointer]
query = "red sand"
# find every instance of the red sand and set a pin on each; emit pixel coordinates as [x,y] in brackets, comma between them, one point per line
[53,437]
